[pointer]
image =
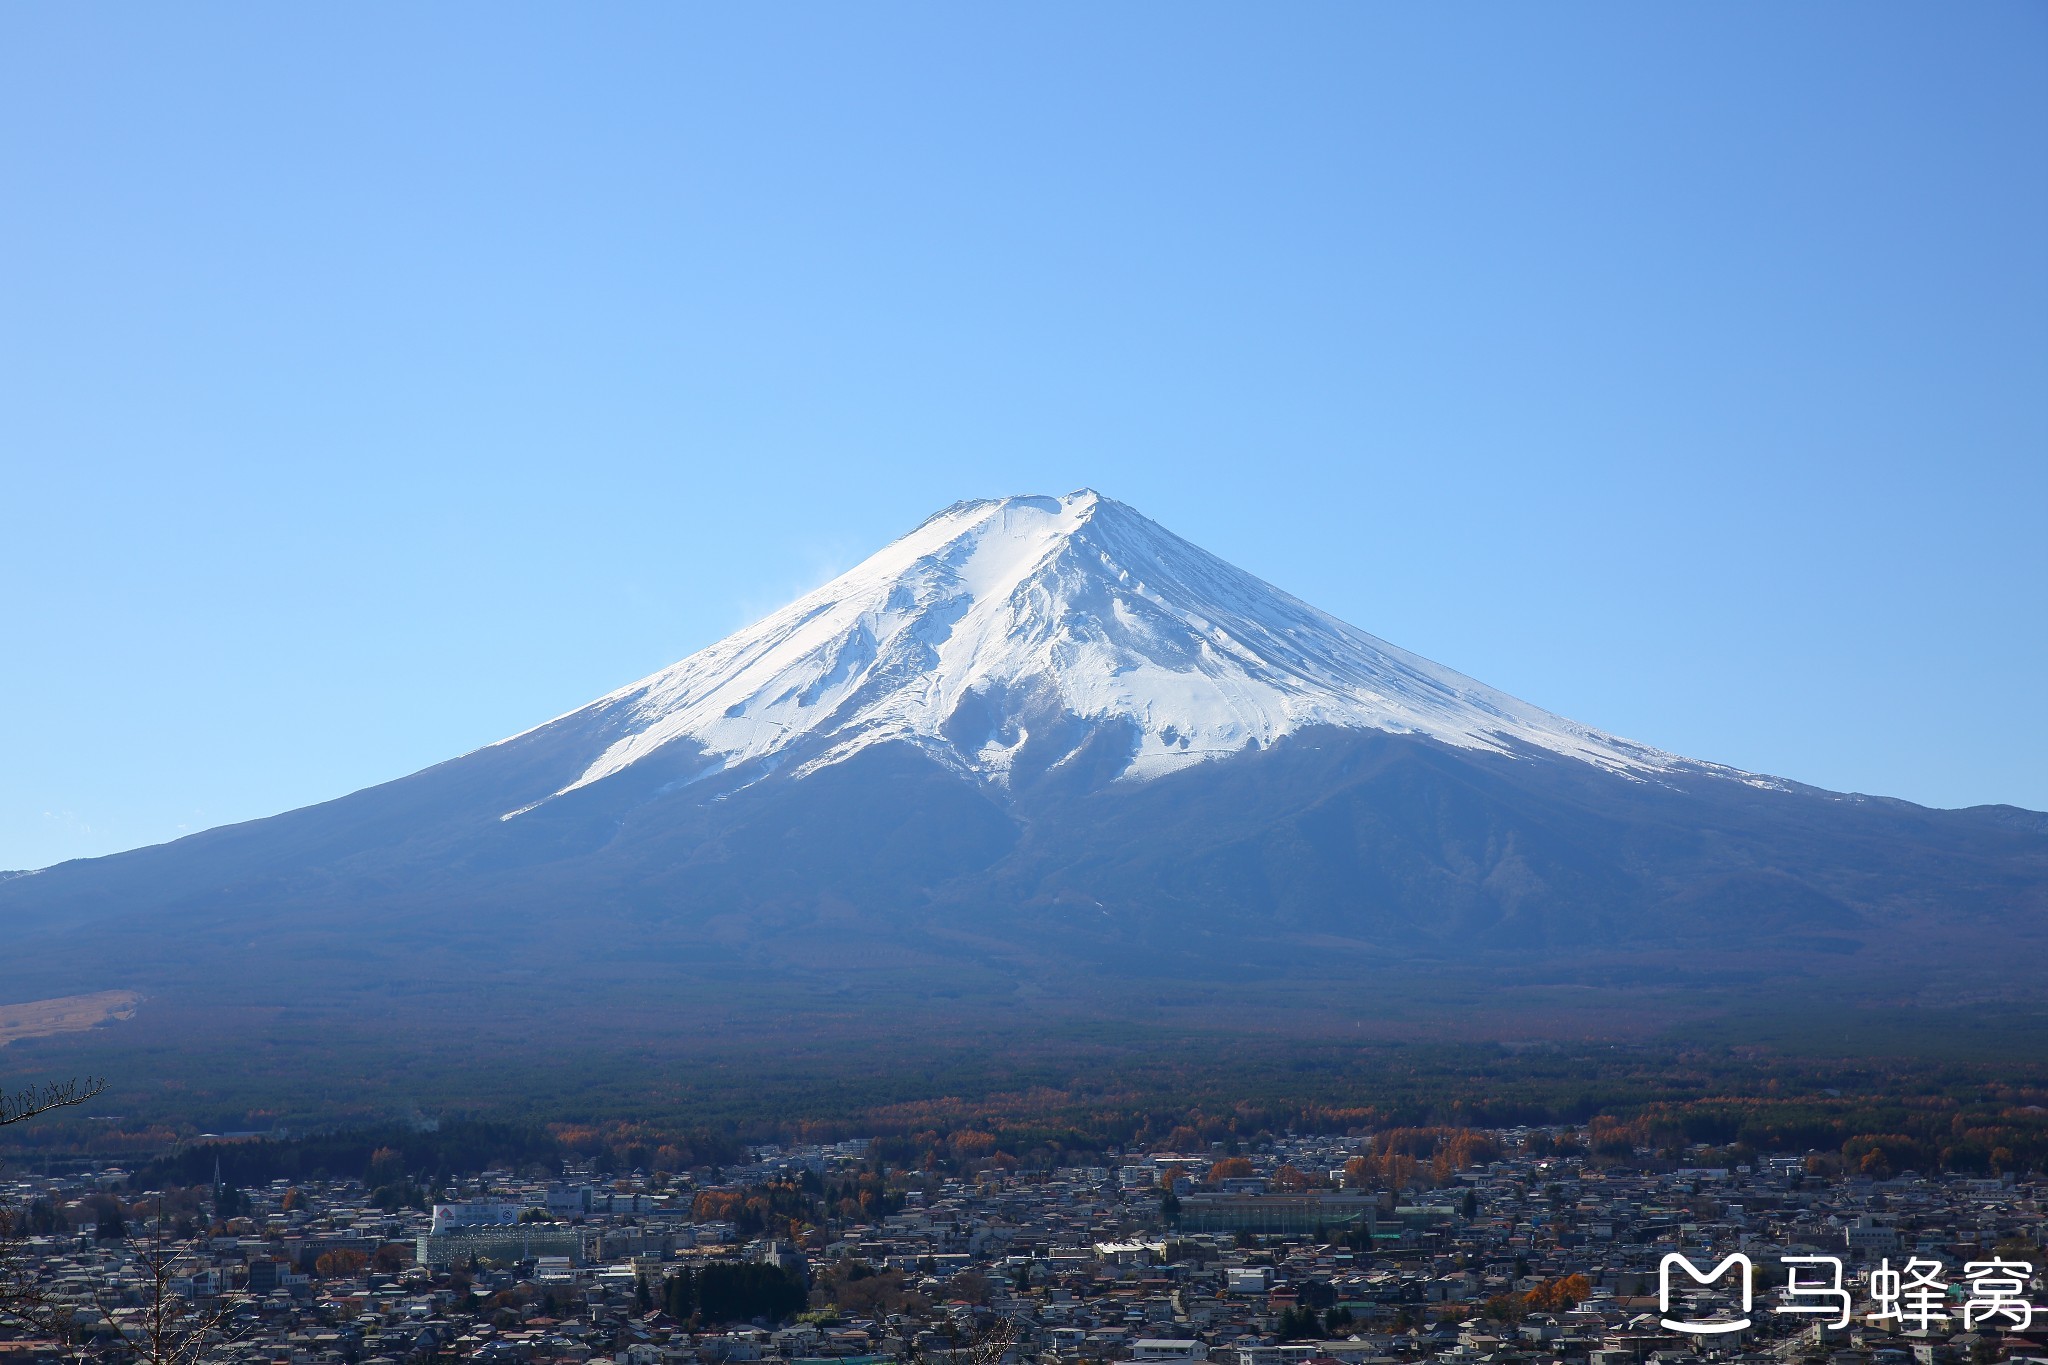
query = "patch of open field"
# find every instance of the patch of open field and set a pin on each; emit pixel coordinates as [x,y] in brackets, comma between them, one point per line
[64,1014]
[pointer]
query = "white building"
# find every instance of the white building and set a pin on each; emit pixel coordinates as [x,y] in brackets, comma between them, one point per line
[476,1214]
[1248,1279]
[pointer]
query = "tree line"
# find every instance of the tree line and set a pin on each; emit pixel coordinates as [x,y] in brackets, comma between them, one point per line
[726,1291]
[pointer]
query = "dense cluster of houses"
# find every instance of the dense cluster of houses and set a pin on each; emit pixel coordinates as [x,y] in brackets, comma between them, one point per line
[1275,1256]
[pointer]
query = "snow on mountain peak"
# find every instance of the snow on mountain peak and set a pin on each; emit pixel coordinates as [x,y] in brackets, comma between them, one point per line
[1001,620]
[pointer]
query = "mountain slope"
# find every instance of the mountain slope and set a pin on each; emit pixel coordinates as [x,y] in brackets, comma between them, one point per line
[1043,748]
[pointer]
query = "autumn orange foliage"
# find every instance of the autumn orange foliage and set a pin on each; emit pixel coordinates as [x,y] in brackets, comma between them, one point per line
[1561,1294]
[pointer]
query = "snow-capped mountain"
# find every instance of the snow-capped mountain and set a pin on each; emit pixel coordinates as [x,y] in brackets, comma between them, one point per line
[1045,746]
[998,617]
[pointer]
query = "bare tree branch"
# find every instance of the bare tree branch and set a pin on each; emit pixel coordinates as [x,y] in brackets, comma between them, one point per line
[26,1104]
[25,1302]
[996,1342]
[168,1330]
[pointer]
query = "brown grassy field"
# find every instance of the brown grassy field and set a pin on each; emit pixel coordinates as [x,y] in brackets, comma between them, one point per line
[64,1014]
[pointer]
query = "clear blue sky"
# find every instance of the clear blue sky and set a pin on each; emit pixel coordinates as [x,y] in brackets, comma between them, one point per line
[376,381]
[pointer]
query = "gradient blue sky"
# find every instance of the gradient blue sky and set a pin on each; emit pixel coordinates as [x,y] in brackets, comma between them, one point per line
[376,381]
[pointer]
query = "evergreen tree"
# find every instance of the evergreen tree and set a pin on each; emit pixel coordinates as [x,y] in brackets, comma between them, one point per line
[740,1291]
[679,1294]
[1296,1323]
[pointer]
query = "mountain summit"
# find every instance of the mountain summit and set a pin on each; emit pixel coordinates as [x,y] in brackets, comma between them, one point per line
[1014,633]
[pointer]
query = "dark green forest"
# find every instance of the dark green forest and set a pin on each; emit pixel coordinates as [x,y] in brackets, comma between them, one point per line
[1870,1115]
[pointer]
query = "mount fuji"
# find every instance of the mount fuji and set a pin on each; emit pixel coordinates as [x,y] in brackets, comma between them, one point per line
[1042,748]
